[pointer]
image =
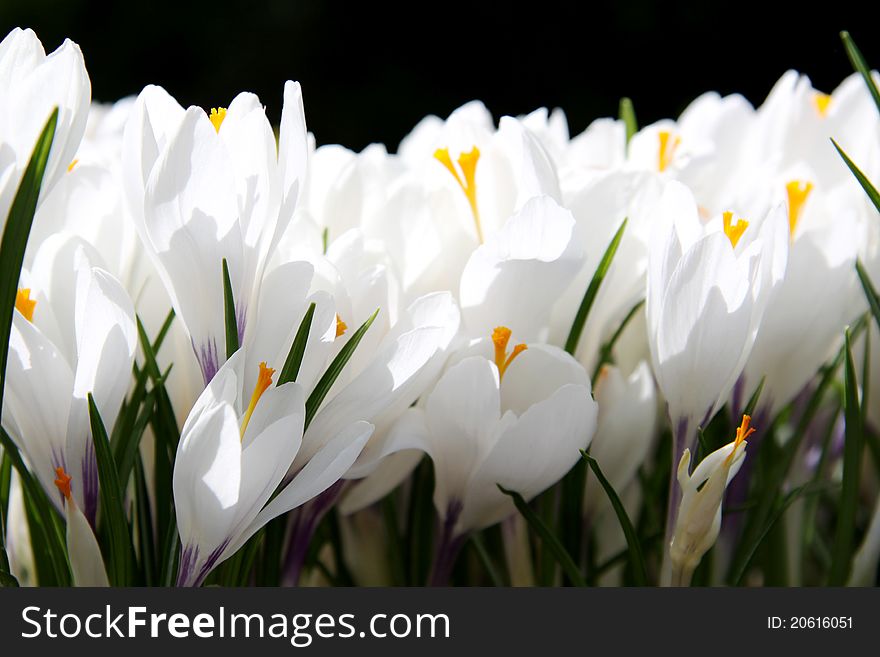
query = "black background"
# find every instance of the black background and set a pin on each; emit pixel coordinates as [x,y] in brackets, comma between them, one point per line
[371,70]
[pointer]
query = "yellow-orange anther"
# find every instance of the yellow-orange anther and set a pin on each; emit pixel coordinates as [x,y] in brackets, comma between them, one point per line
[668,147]
[733,230]
[742,432]
[62,480]
[217,115]
[467,180]
[341,327]
[501,337]
[822,103]
[24,304]
[798,191]
[72,164]
[264,380]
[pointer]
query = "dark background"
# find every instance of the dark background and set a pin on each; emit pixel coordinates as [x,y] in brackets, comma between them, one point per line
[371,70]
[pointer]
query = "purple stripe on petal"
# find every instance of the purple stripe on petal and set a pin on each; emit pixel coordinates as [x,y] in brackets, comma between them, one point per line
[241,321]
[208,359]
[90,483]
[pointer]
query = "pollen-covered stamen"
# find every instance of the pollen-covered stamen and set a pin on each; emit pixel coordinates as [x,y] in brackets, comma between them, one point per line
[501,338]
[62,481]
[798,191]
[341,327]
[742,432]
[733,230]
[668,146]
[822,103]
[467,162]
[24,304]
[72,164]
[217,115]
[264,380]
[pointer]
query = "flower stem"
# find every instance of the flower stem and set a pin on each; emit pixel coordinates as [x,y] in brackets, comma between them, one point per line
[448,546]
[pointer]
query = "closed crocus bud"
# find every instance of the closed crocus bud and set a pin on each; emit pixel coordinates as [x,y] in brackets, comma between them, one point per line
[31,85]
[625,430]
[86,562]
[699,514]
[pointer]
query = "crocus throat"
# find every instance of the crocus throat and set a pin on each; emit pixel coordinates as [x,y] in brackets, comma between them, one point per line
[742,432]
[798,191]
[24,304]
[501,337]
[668,147]
[822,103]
[264,380]
[467,181]
[217,115]
[733,230]
[341,327]
[62,480]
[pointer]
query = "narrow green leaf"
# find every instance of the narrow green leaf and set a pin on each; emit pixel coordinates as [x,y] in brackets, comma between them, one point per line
[870,292]
[313,403]
[870,190]
[859,64]
[580,318]
[126,449]
[144,520]
[550,541]
[636,558]
[752,404]
[121,552]
[485,558]
[298,349]
[778,512]
[15,235]
[325,240]
[627,114]
[844,537]
[229,313]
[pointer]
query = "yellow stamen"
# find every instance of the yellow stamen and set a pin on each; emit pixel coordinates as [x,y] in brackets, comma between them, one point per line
[822,102]
[742,432]
[24,304]
[217,115]
[501,337]
[62,480]
[467,181]
[341,327]
[71,165]
[264,380]
[667,149]
[734,231]
[798,191]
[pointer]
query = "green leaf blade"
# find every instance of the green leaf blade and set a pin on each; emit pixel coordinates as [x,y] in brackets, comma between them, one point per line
[298,349]
[636,558]
[231,322]
[552,542]
[583,311]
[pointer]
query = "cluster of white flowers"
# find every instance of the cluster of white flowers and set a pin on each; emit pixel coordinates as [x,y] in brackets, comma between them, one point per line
[471,249]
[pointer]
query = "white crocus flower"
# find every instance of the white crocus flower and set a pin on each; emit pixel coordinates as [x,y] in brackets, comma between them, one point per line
[511,416]
[86,562]
[232,457]
[73,333]
[216,190]
[706,294]
[699,514]
[31,85]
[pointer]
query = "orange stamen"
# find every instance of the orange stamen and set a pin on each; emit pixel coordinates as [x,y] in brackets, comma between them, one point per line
[264,380]
[467,180]
[501,338]
[62,480]
[733,231]
[24,304]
